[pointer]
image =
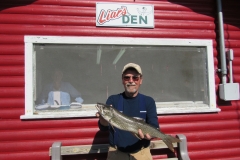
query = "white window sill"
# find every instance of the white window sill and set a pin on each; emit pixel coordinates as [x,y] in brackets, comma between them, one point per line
[181,110]
[91,111]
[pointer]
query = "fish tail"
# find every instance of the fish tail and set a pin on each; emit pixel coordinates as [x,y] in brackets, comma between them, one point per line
[168,140]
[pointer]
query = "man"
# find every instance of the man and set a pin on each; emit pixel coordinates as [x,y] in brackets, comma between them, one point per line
[124,145]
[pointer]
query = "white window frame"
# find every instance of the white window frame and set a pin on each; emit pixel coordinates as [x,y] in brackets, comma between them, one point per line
[162,108]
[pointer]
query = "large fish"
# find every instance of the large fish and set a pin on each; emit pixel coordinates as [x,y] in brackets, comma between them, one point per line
[123,122]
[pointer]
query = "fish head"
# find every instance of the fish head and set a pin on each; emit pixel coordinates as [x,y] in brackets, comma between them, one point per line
[105,111]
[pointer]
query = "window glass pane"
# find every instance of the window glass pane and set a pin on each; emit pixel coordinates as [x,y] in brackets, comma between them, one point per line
[93,72]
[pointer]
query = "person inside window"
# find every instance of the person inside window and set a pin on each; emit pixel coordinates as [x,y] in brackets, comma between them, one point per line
[59,93]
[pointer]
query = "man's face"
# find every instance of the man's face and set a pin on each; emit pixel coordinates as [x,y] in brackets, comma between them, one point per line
[131,81]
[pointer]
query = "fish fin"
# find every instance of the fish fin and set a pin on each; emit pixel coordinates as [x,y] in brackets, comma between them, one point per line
[111,124]
[112,127]
[168,140]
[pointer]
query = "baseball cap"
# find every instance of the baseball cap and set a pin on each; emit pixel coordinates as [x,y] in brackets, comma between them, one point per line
[132,65]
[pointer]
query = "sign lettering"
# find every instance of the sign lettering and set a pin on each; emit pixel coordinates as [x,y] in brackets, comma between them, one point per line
[124,15]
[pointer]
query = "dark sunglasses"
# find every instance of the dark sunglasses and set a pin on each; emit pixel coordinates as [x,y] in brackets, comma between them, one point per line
[134,78]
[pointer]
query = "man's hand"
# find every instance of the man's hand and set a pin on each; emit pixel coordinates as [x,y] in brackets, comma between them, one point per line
[102,120]
[146,136]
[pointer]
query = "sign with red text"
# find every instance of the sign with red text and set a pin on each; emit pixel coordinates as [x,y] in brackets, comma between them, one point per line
[124,15]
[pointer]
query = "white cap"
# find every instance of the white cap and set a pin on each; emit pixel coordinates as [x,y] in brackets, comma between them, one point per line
[132,65]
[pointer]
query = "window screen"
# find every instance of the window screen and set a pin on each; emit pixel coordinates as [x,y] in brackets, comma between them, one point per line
[169,73]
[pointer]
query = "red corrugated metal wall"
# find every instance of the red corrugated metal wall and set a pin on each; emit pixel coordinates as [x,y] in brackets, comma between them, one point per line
[210,136]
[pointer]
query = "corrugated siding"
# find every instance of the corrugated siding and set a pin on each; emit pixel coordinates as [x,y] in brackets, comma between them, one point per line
[210,136]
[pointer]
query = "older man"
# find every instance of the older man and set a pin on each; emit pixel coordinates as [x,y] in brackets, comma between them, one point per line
[124,145]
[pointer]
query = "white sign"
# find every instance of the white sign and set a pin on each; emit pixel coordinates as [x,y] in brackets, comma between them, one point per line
[124,15]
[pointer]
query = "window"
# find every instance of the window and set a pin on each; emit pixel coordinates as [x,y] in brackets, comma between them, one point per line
[177,73]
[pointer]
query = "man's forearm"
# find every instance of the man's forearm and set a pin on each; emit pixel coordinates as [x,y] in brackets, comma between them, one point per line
[102,127]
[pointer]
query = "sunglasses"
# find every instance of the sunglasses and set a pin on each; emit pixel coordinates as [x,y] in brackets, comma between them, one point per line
[134,78]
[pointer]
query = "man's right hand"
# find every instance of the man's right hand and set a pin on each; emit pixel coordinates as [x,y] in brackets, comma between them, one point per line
[102,120]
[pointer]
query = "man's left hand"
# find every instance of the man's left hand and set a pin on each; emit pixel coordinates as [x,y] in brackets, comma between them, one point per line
[146,136]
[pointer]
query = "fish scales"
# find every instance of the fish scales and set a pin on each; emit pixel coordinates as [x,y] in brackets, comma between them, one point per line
[132,124]
[124,122]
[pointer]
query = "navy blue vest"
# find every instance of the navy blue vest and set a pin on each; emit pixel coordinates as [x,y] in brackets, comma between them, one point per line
[142,110]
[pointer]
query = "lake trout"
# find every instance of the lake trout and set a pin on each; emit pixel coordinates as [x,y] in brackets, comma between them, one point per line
[126,123]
